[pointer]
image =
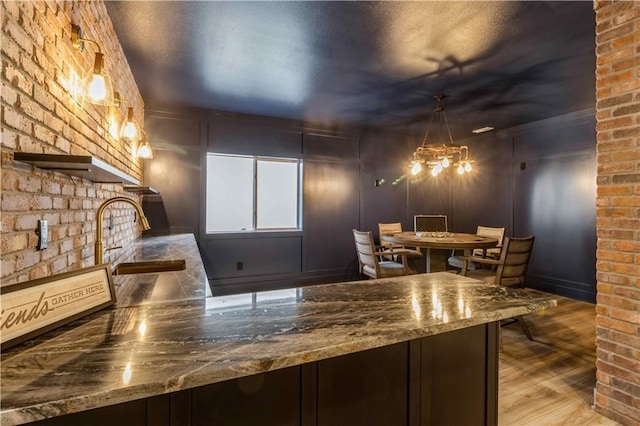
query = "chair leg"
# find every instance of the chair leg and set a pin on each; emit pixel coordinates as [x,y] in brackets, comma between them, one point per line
[524,326]
[412,267]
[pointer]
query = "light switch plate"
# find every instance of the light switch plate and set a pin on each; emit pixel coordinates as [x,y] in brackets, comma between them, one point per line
[43,233]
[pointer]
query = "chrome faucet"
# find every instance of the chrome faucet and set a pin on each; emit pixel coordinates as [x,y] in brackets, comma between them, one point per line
[99,253]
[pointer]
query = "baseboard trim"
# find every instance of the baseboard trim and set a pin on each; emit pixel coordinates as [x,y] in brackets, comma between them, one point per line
[573,289]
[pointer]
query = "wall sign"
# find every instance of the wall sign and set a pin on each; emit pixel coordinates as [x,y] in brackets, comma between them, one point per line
[37,306]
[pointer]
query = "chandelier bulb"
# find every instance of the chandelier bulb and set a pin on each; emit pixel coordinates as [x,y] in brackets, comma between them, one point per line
[416,168]
[467,167]
[445,162]
[460,170]
[434,172]
[438,168]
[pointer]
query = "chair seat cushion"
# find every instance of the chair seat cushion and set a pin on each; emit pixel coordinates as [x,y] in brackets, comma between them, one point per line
[387,264]
[456,262]
[387,269]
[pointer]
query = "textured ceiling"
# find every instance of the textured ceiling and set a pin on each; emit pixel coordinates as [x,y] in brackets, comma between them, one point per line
[500,63]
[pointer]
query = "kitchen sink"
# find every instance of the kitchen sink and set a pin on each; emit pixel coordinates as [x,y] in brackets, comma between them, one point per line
[151,266]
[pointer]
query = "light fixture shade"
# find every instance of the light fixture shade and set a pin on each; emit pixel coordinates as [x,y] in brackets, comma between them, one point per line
[98,89]
[130,129]
[144,150]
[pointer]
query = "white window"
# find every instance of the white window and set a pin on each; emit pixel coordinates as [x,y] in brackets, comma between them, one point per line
[252,193]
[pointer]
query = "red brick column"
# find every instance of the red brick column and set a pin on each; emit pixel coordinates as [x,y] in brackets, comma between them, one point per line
[618,210]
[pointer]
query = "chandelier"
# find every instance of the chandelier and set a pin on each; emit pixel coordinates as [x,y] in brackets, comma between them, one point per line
[441,155]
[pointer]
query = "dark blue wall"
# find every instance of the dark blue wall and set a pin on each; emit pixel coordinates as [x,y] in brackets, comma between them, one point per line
[539,179]
[536,179]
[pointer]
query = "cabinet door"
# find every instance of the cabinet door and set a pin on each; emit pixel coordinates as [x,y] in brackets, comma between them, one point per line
[460,377]
[271,398]
[365,388]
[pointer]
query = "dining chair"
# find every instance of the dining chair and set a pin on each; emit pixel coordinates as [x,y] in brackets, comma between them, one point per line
[369,258]
[394,228]
[493,253]
[430,223]
[510,269]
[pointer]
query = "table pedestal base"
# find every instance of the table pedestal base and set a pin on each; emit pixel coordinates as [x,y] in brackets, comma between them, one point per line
[435,260]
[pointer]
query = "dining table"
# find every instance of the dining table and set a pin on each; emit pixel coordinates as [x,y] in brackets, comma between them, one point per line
[439,240]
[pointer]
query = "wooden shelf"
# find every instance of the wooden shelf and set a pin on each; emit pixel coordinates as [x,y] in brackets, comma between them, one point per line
[84,166]
[144,190]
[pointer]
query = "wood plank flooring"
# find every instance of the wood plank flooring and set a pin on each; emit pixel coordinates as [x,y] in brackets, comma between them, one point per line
[550,381]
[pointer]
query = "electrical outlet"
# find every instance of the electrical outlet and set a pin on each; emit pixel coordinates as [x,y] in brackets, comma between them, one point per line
[239,266]
[43,233]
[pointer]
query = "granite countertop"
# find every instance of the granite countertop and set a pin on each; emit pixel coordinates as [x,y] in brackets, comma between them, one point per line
[145,349]
[137,289]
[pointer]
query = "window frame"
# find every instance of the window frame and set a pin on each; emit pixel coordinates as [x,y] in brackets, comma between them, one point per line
[254,216]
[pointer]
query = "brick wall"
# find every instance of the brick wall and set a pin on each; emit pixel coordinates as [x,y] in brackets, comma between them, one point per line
[618,210]
[41,113]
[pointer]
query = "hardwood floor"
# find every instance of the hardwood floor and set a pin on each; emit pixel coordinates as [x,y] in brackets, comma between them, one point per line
[550,381]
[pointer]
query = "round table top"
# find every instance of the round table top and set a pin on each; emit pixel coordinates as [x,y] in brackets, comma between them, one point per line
[443,240]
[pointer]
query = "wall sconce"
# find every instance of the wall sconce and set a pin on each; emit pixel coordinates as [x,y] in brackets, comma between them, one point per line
[144,150]
[96,87]
[130,129]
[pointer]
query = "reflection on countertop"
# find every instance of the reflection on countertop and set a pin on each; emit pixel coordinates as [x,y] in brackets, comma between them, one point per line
[143,348]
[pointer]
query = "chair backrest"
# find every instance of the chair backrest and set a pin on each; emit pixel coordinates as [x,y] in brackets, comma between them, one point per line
[486,231]
[365,247]
[514,260]
[389,228]
[430,223]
